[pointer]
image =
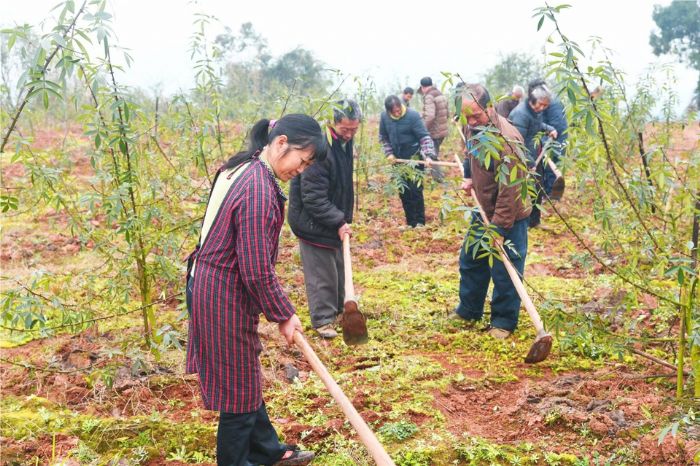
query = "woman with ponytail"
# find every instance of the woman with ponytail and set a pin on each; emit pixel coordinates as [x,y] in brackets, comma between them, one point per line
[231,281]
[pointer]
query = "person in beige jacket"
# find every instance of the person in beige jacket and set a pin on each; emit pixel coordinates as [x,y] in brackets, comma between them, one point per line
[435,112]
[435,115]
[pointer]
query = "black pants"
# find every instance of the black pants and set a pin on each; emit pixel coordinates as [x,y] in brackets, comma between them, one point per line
[412,201]
[247,439]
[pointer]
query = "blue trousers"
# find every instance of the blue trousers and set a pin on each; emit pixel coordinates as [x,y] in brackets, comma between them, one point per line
[475,275]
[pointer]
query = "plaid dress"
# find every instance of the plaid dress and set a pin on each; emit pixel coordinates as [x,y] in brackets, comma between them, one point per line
[234,282]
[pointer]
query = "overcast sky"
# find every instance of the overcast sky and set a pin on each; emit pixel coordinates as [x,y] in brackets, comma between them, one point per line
[396,42]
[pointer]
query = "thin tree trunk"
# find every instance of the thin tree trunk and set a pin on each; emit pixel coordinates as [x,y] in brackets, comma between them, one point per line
[48,60]
[155,125]
[645,164]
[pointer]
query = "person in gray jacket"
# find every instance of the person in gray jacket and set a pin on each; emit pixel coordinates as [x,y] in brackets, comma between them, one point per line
[527,118]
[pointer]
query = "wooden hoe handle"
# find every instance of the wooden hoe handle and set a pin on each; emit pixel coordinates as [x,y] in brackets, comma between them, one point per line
[347,266]
[553,167]
[550,163]
[439,163]
[381,457]
[515,278]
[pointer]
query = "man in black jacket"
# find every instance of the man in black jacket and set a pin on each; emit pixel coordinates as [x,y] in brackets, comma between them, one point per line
[321,202]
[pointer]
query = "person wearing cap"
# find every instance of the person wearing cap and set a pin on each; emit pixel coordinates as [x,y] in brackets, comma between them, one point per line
[506,105]
[403,135]
[407,96]
[321,202]
[505,208]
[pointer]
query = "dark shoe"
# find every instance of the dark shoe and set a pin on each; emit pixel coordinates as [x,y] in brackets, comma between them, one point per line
[297,458]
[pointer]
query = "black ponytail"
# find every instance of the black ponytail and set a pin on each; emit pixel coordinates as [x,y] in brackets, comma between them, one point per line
[302,132]
[258,137]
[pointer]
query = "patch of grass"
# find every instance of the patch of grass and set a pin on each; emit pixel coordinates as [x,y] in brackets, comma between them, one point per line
[398,431]
[32,418]
[477,451]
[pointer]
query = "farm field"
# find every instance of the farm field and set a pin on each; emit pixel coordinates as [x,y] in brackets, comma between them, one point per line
[104,187]
[434,392]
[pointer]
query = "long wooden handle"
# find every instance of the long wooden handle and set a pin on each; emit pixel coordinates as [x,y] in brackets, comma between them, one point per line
[347,266]
[550,162]
[432,162]
[554,168]
[515,278]
[459,130]
[363,431]
[538,160]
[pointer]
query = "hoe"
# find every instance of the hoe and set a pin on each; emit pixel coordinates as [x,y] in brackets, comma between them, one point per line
[354,323]
[543,341]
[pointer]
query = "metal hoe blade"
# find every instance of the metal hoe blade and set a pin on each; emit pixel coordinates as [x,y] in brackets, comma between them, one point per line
[539,350]
[354,324]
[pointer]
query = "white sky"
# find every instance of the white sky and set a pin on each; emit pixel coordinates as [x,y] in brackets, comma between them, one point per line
[395,43]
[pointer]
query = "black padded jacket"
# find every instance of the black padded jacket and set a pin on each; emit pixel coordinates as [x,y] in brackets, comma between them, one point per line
[321,199]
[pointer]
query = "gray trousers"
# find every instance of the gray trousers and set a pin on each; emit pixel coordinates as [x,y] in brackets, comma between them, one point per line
[324,276]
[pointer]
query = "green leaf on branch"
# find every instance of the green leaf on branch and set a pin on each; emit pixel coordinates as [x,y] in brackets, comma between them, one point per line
[8,203]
